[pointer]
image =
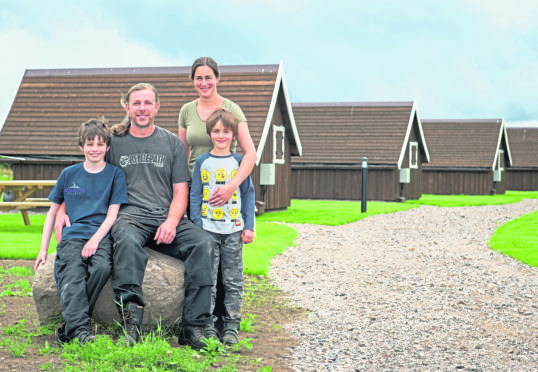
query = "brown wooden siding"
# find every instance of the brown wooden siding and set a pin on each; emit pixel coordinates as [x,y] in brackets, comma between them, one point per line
[523,175]
[40,170]
[342,183]
[522,179]
[454,182]
[275,196]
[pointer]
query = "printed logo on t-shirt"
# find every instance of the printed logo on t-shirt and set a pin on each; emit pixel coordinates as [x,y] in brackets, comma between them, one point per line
[135,159]
[220,175]
[74,189]
[234,213]
[204,174]
[205,209]
[205,194]
[218,214]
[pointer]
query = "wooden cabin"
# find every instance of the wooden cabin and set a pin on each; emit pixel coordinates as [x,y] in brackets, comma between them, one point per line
[523,174]
[335,138]
[39,135]
[468,156]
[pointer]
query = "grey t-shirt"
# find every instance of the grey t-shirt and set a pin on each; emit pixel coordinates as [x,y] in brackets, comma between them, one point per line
[151,165]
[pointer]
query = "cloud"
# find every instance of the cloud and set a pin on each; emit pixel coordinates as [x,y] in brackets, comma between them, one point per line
[91,46]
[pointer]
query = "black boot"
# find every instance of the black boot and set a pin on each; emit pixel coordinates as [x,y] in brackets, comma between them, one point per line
[131,316]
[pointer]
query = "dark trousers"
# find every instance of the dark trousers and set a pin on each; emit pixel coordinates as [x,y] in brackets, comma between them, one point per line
[229,261]
[80,281]
[192,245]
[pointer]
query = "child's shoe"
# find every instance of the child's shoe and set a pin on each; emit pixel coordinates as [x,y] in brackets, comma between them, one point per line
[61,337]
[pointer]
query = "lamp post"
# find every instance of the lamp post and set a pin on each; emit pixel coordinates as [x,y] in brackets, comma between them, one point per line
[364,188]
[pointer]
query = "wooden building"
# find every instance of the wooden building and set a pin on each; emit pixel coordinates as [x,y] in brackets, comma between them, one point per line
[468,156]
[523,174]
[335,138]
[39,135]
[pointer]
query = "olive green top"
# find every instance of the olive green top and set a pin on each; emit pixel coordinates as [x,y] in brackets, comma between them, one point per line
[196,133]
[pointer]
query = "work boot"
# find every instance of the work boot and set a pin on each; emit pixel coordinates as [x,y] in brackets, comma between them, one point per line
[230,336]
[193,336]
[131,316]
[211,332]
[85,337]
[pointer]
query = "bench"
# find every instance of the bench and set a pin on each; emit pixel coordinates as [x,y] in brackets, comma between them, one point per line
[23,190]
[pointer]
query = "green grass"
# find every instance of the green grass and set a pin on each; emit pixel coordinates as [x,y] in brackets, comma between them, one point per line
[271,240]
[330,212]
[473,200]
[518,239]
[20,241]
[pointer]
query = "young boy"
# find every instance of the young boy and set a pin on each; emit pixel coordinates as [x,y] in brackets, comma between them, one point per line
[232,224]
[93,192]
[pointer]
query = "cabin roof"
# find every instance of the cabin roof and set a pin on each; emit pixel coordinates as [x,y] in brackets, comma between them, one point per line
[51,104]
[344,132]
[465,142]
[523,146]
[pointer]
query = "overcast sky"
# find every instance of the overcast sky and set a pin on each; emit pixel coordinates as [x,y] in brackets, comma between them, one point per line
[456,59]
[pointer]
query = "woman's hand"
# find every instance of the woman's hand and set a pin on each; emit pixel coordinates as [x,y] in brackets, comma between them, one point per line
[221,195]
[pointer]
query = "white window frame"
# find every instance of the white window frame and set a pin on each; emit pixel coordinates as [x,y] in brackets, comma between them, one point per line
[499,160]
[413,147]
[276,158]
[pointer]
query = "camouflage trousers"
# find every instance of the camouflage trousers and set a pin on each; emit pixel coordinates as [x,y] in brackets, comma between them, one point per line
[229,254]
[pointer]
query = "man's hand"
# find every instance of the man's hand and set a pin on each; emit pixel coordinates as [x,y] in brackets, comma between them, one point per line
[61,220]
[166,232]
[247,236]
[221,195]
[89,248]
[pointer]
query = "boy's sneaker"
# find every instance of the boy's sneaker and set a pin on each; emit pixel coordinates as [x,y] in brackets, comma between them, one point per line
[61,337]
[192,336]
[230,336]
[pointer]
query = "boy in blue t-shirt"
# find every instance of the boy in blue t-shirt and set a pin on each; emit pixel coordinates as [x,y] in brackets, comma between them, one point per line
[232,224]
[93,192]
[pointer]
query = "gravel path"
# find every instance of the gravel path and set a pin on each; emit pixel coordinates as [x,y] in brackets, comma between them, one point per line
[417,290]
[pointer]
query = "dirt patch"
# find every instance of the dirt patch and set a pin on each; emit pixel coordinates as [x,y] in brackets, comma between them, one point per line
[269,308]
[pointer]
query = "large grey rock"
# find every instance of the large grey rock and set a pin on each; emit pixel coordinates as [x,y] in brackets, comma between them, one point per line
[163,291]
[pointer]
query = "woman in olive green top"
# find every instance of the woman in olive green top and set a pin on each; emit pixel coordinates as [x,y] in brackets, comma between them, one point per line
[192,127]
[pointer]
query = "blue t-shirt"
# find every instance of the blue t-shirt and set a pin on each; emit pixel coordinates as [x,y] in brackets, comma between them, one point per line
[87,197]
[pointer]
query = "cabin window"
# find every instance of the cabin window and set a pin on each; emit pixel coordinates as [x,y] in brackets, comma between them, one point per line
[413,155]
[278,144]
[500,160]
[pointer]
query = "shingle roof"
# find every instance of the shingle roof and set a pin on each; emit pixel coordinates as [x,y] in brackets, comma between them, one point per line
[50,105]
[464,142]
[343,133]
[523,146]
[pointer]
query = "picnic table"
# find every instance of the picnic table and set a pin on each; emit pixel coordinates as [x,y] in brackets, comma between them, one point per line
[23,190]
